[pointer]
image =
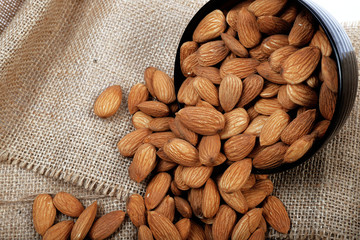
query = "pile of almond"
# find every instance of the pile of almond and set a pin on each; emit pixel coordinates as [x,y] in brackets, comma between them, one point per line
[44,213]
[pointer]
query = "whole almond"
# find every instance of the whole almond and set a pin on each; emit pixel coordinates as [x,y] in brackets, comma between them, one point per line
[273,128]
[250,182]
[284,99]
[289,15]
[108,102]
[234,45]
[106,225]
[186,49]
[154,108]
[267,106]
[132,141]
[232,16]
[259,234]
[196,232]
[239,146]
[209,149]
[265,185]
[211,199]
[164,166]
[196,177]
[141,120]
[248,29]
[252,86]
[278,57]
[174,189]
[230,92]
[183,207]
[254,197]
[274,42]
[211,73]
[148,77]
[302,95]
[224,223]
[270,90]
[313,81]
[203,121]
[266,7]
[163,87]
[302,30]
[135,209]
[182,152]
[299,148]
[60,231]
[258,54]
[236,200]
[211,53]
[144,233]
[299,66]
[178,178]
[195,196]
[240,67]
[187,93]
[210,27]
[272,25]
[186,133]
[159,139]
[320,128]
[252,113]
[235,176]
[322,42]
[276,215]
[206,90]
[43,212]
[138,94]
[159,124]
[236,122]
[271,156]
[299,127]
[156,190]
[84,222]
[143,163]
[68,204]
[184,227]
[247,224]
[161,227]
[265,70]
[327,102]
[329,73]
[188,65]
[167,208]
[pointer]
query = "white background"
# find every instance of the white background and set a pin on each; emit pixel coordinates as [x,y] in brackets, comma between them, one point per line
[342,10]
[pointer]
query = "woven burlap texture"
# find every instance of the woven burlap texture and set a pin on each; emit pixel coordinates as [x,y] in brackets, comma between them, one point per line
[55,59]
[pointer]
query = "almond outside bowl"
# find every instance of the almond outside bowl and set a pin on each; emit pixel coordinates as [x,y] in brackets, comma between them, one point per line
[343,53]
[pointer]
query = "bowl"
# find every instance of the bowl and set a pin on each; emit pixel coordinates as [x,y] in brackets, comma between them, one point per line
[343,53]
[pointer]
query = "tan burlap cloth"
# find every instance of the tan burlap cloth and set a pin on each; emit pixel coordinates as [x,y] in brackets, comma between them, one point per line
[55,59]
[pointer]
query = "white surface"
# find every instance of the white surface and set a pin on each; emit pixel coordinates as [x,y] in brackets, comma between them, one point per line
[342,10]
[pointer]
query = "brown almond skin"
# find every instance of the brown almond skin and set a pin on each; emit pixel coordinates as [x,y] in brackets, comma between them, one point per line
[148,77]
[68,204]
[266,7]
[108,102]
[265,70]
[259,234]
[143,163]
[196,232]
[138,94]
[302,30]
[289,15]
[132,141]
[174,189]
[60,231]
[252,113]
[254,197]
[276,123]
[236,201]
[327,102]
[167,208]
[231,17]
[164,166]
[209,149]
[234,45]
[159,124]
[208,232]
[270,90]
[271,156]
[156,190]
[84,222]
[43,213]
[106,225]
[258,54]
[250,182]
[187,93]
[210,27]
[278,57]
[256,125]
[141,120]
[183,207]
[159,139]
[235,176]
[271,25]
[154,108]
[230,92]
[276,215]
[163,87]
[186,49]
[299,148]
[211,53]
[274,42]
[211,199]
[321,41]
[252,87]
[248,29]
[236,122]
[144,233]
[206,90]
[329,74]
[184,227]
[247,224]
[178,178]
[240,67]
[186,133]
[196,177]
[264,185]
[302,95]
[182,152]
[188,65]
[313,81]
[268,106]
[162,227]
[135,209]
[224,223]
[195,196]
[238,147]
[284,99]
[211,73]
[320,129]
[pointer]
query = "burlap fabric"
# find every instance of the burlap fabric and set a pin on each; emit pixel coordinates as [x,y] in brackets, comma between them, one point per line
[57,56]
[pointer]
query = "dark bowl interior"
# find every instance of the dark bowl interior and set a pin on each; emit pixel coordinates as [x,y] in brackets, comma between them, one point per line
[343,52]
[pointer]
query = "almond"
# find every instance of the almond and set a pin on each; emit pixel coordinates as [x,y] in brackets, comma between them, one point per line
[270,90]
[163,87]
[264,185]
[270,157]
[195,196]
[211,53]
[187,93]
[148,77]
[182,152]
[210,27]
[299,66]
[230,92]
[259,234]
[60,231]
[144,233]
[248,29]
[188,65]
[247,224]
[68,204]
[178,178]
[284,99]
[154,108]
[106,225]
[161,227]
[203,121]
[252,113]
[276,215]
[289,15]
[263,224]
[211,199]
[299,148]
[236,200]
[156,190]
[269,74]
[143,163]
[258,54]
[167,208]
[240,67]
[274,42]
[206,90]
[299,127]
[164,166]
[322,42]
[141,120]
[278,57]
[271,25]
[302,95]
[320,128]
[196,232]
[252,86]
[273,128]
[236,122]
[183,207]
[254,197]
[186,133]
[196,177]
[159,139]
[327,102]
[238,147]
[138,94]
[174,189]
[313,81]
[108,102]
[234,45]
[184,227]
[159,124]
[224,223]
[204,104]
[84,222]
[256,125]
[302,30]
[44,213]
[232,16]
[186,49]
[329,73]
[209,149]
[208,232]
[266,7]
[235,176]
[211,73]
[135,209]
[267,106]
